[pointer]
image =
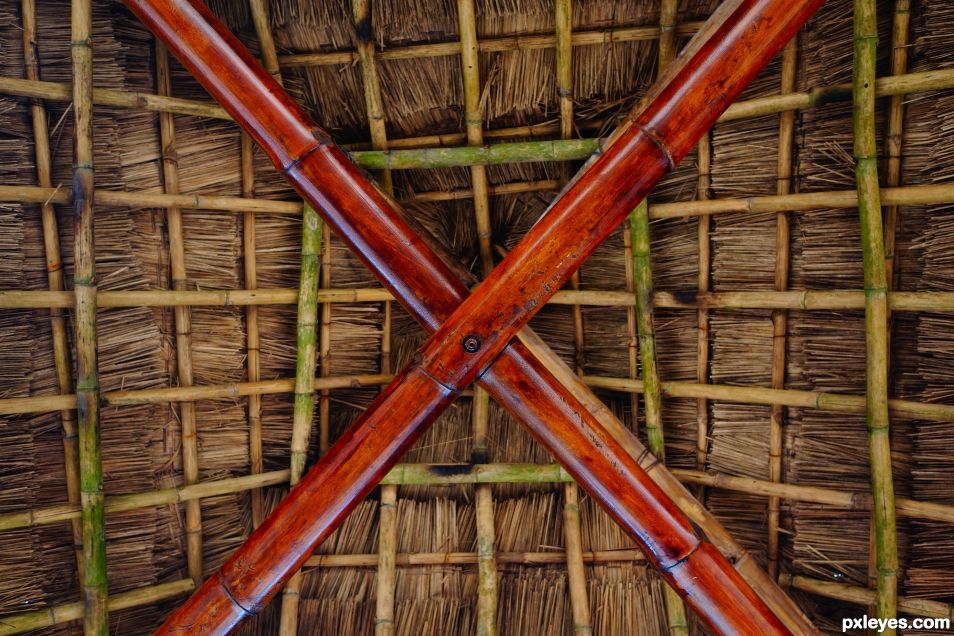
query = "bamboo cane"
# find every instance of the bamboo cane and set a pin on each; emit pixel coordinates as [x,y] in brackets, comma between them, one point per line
[924,81]
[68,612]
[489,45]
[780,316]
[836,199]
[417,559]
[835,402]
[480,413]
[646,339]
[385,560]
[799,299]
[304,408]
[876,308]
[575,572]
[895,128]
[263,31]
[279,158]
[451,474]
[253,352]
[863,596]
[183,321]
[704,152]
[54,268]
[94,584]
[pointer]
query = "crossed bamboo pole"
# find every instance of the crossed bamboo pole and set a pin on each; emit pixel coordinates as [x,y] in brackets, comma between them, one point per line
[301,156]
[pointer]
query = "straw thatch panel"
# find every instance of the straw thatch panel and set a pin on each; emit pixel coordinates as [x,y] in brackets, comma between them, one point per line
[142,443]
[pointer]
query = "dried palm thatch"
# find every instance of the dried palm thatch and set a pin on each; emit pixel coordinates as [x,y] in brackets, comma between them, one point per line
[436,584]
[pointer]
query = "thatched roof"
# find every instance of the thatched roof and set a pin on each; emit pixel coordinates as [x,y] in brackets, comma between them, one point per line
[809,347]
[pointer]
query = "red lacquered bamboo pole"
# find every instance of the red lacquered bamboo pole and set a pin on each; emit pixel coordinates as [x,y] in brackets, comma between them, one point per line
[433,318]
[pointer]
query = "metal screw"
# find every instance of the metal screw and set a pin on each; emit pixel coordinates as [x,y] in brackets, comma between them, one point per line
[471,343]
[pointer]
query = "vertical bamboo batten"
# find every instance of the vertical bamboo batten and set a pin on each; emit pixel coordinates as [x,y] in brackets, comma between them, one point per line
[480,404]
[183,320]
[324,346]
[387,559]
[576,573]
[94,583]
[54,268]
[786,134]
[304,409]
[645,330]
[704,154]
[263,31]
[876,307]
[895,130]
[253,346]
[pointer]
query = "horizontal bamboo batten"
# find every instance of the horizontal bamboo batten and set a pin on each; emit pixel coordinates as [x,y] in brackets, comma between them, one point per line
[886,86]
[836,199]
[866,597]
[804,299]
[489,45]
[470,558]
[837,402]
[50,403]
[452,474]
[68,612]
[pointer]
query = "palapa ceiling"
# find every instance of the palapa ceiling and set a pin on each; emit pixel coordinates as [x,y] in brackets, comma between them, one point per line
[711,357]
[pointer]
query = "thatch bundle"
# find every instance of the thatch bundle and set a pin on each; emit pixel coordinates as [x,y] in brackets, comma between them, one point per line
[439,583]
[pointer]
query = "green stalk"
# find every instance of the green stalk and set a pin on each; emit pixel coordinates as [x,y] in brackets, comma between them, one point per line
[643,281]
[556,150]
[876,308]
[306,341]
[94,584]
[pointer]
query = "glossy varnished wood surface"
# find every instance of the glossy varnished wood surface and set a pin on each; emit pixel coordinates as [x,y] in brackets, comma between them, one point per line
[375,229]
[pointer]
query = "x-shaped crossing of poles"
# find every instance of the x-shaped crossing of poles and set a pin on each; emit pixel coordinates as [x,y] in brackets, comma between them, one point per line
[481,336]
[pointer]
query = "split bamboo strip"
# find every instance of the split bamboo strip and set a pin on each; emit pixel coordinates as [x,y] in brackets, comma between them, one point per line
[480,405]
[451,474]
[863,596]
[183,320]
[94,584]
[836,402]
[704,154]
[925,81]
[477,154]
[413,559]
[490,45]
[324,346]
[385,560]
[266,43]
[575,572]
[48,404]
[304,409]
[207,298]
[876,308]
[783,239]
[253,341]
[895,129]
[631,344]
[646,335]
[68,612]
[54,267]
[361,10]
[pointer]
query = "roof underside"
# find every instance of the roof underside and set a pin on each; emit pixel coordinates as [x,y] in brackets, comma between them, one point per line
[422,96]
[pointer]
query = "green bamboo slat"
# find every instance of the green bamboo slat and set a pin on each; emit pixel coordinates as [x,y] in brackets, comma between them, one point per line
[876,307]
